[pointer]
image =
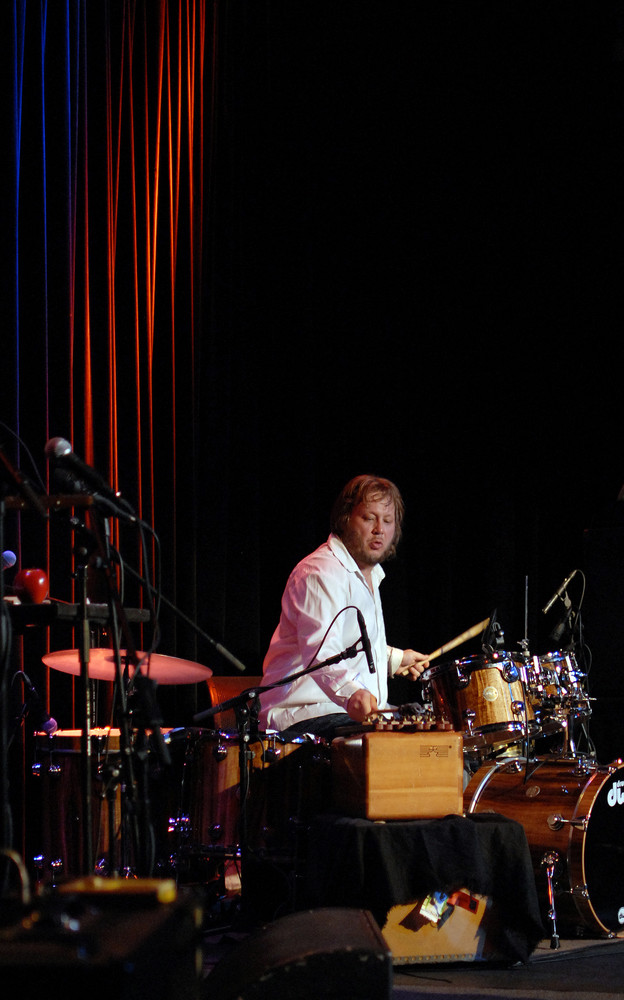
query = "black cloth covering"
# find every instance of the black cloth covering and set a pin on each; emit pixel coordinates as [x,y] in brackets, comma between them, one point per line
[378,865]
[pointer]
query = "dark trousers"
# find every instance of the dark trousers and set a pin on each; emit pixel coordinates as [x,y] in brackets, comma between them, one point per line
[325,726]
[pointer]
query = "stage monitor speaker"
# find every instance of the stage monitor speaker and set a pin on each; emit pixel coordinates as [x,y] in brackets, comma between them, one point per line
[333,953]
[123,941]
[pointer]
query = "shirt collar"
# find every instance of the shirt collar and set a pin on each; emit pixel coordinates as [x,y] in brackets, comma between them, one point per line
[343,555]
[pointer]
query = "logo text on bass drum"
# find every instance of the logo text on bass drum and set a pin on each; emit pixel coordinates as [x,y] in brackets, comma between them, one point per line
[616,794]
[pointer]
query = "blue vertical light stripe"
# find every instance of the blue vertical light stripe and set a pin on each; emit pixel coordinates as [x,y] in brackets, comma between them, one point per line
[19,19]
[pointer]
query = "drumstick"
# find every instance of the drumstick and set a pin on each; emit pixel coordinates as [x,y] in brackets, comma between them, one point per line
[457,641]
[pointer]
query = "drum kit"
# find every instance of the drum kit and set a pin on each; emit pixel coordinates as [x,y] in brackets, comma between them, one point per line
[511,708]
[228,790]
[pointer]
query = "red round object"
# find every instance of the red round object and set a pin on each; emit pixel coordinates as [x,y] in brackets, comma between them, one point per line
[31,586]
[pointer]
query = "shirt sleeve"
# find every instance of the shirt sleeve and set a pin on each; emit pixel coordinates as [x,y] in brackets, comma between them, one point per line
[395,659]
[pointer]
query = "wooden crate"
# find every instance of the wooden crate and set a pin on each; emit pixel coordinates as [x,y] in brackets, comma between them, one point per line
[397,775]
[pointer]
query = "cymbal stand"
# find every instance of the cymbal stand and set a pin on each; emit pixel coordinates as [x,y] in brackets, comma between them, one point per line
[247,726]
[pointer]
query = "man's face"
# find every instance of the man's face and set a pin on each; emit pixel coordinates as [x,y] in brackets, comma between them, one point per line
[370,531]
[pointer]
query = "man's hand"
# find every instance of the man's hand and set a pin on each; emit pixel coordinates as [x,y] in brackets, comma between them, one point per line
[413,664]
[361,704]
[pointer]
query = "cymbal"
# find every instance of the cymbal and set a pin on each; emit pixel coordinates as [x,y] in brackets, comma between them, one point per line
[160,668]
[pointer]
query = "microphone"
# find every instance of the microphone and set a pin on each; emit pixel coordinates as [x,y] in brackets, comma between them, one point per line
[60,451]
[365,641]
[48,724]
[8,559]
[559,593]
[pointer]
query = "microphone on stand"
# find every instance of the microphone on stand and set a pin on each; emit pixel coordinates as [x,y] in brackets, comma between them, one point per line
[59,450]
[559,593]
[8,559]
[365,641]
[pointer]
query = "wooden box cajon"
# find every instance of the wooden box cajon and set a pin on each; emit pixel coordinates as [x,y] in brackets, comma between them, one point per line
[398,775]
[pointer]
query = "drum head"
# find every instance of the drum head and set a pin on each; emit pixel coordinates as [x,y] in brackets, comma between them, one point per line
[603,856]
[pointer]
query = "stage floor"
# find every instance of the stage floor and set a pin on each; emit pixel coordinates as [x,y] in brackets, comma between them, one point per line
[583,968]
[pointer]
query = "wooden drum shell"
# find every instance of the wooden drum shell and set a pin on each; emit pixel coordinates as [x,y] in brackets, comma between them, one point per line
[574,809]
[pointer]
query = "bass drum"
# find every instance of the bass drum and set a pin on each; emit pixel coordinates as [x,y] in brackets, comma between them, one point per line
[573,808]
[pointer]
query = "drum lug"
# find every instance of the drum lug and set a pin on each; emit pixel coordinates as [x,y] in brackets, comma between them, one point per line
[469,716]
[509,672]
[515,766]
[518,708]
[555,822]
[580,892]
[462,679]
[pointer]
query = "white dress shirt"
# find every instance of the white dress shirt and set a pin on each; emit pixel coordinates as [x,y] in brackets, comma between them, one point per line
[321,596]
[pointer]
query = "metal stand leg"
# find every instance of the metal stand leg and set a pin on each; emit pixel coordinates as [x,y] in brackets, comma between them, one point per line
[550,860]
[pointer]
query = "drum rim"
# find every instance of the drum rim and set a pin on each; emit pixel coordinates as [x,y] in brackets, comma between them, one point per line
[605,772]
[555,655]
[493,663]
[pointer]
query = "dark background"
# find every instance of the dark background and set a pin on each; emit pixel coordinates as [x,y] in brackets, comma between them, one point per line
[429,256]
[415,269]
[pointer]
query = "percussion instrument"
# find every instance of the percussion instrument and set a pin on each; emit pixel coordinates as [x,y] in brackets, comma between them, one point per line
[286,785]
[573,815]
[556,687]
[484,696]
[102,667]
[57,776]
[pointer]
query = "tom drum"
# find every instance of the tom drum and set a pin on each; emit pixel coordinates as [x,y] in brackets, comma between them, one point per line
[484,697]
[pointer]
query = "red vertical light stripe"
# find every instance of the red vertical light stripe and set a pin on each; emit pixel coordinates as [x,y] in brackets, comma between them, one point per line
[131,24]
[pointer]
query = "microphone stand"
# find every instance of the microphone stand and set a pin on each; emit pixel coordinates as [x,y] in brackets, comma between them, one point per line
[8,475]
[132,806]
[247,727]
[5,654]
[225,653]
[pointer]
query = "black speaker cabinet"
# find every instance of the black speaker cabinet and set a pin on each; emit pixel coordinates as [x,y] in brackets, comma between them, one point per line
[126,944]
[333,953]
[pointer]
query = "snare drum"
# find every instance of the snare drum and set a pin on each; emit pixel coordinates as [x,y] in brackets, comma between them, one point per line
[57,775]
[484,697]
[575,809]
